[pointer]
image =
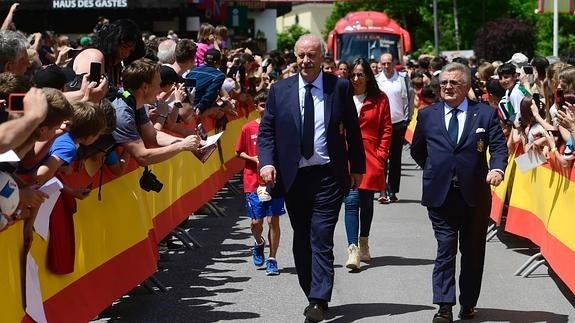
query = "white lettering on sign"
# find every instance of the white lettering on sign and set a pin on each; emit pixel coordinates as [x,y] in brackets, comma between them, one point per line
[62,4]
[66,4]
[111,3]
[85,3]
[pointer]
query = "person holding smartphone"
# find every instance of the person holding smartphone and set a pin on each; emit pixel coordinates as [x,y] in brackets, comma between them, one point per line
[164,113]
[540,65]
[561,80]
[117,42]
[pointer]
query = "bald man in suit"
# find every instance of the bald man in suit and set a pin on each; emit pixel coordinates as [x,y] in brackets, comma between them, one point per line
[311,151]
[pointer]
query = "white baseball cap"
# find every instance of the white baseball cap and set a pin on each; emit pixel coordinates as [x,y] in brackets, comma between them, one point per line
[519,60]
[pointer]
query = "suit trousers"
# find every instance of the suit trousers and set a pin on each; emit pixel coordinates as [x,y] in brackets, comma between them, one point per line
[313,204]
[455,219]
[394,161]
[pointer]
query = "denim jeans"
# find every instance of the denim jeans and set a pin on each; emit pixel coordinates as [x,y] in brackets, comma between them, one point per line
[358,214]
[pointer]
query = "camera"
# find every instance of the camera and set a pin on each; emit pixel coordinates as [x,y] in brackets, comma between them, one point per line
[149,181]
[477,91]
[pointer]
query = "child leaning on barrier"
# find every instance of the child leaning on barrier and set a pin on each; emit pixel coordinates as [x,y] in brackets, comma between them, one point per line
[259,204]
[86,126]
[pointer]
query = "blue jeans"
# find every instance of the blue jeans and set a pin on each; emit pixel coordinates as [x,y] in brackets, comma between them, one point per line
[358,211]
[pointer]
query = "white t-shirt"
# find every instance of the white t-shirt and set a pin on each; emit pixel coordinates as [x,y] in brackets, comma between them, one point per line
[393,88]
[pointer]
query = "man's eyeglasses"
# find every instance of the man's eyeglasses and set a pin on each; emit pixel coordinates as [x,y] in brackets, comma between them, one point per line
[450,82]
[358,75]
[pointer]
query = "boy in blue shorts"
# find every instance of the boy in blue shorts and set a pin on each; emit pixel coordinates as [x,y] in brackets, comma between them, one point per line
[259,204]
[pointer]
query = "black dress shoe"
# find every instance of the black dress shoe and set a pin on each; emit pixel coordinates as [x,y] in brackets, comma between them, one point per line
[443,317]
[467,313]
[315,312]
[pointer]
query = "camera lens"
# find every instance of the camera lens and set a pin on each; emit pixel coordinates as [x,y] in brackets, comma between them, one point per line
[149,182]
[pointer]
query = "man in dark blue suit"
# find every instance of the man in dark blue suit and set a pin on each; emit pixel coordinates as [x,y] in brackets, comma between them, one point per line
[450,143]
[311,151]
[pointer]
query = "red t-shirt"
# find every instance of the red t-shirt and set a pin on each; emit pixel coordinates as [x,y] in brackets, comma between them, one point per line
[247,143]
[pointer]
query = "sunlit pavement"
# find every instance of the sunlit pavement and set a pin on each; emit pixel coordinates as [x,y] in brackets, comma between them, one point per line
[218,282]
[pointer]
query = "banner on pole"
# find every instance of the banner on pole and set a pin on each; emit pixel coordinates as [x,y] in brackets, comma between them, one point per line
[564,6]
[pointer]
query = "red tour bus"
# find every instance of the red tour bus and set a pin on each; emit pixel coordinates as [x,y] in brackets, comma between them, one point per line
[367,34]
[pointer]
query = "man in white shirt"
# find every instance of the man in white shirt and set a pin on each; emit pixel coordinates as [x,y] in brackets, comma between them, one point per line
[396,87]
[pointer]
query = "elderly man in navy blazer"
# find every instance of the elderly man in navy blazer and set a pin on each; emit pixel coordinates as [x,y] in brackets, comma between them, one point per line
[310,150]
[450,144]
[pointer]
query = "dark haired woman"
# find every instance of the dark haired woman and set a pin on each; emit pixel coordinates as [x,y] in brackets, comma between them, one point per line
[375,123]
[115,43]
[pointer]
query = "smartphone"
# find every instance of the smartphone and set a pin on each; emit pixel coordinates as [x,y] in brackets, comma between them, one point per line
[73,52]
[95,72]
[537,99]
[560,99]
[189,85]
[554,133]
[528,69]
[16,102]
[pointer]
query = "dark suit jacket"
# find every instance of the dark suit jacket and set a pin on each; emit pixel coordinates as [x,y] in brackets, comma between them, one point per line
[279,138]
[440,158]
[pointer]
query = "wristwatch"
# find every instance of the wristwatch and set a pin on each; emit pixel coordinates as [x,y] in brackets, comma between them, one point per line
[178,104]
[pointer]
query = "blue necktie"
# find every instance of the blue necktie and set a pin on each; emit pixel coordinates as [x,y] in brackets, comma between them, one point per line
[307,138]
[453,128]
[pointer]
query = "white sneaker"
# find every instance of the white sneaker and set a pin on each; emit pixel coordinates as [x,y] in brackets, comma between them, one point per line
[353,261]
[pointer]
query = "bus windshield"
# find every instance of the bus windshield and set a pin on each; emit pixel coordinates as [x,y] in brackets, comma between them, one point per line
[368,46]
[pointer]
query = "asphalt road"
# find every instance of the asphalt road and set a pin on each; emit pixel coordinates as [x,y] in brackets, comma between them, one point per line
[218,282]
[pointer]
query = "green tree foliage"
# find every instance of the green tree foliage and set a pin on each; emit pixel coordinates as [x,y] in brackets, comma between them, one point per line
[287,39]
[417,17]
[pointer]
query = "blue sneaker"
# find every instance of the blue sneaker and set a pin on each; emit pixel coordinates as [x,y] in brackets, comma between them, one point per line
[258,253]
[272,268]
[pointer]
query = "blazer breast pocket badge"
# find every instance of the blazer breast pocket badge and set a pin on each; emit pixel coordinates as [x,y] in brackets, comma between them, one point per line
[480,142]
[480,145]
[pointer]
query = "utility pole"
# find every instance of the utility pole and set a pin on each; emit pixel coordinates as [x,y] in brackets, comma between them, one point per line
[556,28]
[435,28]
[456,24]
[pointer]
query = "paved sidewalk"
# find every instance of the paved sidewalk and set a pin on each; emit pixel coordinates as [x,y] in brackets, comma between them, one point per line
[218,281]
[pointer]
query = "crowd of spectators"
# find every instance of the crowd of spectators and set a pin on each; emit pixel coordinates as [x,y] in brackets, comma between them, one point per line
[534,98]
[116,95]
[155,91]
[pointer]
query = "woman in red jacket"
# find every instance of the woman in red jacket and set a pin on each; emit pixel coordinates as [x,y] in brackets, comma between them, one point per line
[375,123]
